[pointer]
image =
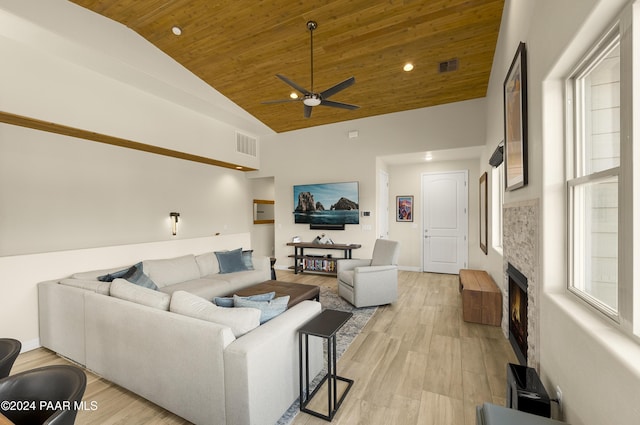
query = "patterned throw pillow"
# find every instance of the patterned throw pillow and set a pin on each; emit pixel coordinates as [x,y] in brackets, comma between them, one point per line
[268,309]
[135,275]
[228,301]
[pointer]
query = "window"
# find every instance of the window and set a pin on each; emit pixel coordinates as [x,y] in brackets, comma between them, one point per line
[595,190]
[497,201]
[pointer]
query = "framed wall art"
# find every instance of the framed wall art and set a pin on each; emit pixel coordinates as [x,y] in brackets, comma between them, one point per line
[404,208]
[515,121]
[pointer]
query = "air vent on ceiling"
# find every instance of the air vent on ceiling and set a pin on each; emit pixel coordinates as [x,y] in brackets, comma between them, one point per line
[246,144]
[448,66]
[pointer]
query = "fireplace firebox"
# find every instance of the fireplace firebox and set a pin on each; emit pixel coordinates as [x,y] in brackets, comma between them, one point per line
[518,312]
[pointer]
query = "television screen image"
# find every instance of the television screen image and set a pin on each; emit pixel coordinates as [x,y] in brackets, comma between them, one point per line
[326,203]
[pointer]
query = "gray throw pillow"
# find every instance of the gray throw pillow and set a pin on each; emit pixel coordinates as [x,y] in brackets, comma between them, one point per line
[109,277]
[136,275]
[268,309]
[228,301]
[247,259]
[231,261]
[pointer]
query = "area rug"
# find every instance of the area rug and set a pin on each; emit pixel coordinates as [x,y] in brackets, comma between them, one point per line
[330,299]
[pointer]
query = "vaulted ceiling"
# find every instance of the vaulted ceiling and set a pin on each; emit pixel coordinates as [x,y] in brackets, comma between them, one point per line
[238,47]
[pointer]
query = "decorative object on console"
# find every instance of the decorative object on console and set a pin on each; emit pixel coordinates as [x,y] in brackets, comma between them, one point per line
[327,205]
[404,208]
[174,222]
[515,121]
[322,240]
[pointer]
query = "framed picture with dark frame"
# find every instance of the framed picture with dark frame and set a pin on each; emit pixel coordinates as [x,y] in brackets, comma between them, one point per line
[515,121]
[404,208]
[484,219]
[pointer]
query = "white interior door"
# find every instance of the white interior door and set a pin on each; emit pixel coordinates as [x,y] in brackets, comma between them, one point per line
[383,205]
[445,199]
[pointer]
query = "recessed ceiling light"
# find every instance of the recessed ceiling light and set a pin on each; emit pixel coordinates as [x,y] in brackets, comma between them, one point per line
[408,67]
[428,156]
[238,168]
[176,30]
[293,95]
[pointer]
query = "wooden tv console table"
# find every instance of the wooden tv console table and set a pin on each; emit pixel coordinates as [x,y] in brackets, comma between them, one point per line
[318,263]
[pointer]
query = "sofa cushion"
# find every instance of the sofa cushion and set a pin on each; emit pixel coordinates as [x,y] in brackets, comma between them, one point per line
[205,287]
[231,261]
[240,320]
[207,263]
[94,274]
[241,280]
[135,275]
[228,301]
[172,270]
[113,275]
[88,284]
[268,309]
[126,290]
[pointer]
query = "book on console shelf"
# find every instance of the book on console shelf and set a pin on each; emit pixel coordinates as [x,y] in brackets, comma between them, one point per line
[319,264]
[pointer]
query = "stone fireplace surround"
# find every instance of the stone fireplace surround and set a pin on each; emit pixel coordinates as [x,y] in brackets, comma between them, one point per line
[520,248]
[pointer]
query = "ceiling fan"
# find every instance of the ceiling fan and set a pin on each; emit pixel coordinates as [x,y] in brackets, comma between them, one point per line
[311,98]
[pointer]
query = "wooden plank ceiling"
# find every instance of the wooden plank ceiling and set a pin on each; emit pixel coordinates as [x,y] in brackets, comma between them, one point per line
[237,47]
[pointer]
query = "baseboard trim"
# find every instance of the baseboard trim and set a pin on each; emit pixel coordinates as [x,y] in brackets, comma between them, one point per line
[410,269]
[30,345]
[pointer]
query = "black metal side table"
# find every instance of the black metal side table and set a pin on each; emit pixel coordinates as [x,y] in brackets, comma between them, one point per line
[325,325]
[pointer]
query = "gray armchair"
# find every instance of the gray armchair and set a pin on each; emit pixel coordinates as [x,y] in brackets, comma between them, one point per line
[370,282]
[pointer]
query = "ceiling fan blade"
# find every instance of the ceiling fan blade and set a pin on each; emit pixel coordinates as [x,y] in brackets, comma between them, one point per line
[307,111]
[268,102]
[338,87]
[294,85]
[338,105]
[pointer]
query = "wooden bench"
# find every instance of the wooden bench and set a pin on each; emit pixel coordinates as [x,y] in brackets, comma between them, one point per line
[481,298]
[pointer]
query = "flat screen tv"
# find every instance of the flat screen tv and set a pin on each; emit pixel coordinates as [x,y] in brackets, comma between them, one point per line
[326,204]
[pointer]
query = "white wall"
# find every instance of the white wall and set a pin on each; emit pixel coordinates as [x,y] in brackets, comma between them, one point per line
[21,273]
[53,73]
[263,235]
[59,193]
[326,154]
[407,180]
[594,364]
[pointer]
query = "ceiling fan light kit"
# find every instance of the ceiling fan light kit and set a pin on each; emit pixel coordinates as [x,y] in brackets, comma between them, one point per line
[311,98]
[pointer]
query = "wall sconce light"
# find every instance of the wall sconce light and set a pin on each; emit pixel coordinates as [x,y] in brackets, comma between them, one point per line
[174,222]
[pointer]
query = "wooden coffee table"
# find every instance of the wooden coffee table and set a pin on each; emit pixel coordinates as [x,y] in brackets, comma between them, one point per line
[297,292]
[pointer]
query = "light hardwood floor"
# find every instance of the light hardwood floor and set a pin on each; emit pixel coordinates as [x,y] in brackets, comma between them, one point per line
[416,362]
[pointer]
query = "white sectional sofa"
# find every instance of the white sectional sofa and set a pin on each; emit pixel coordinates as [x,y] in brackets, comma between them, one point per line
[198,369]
